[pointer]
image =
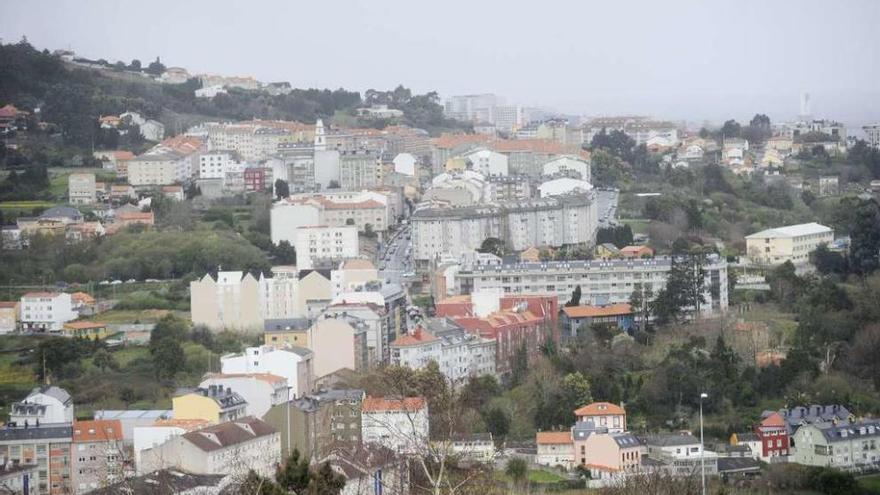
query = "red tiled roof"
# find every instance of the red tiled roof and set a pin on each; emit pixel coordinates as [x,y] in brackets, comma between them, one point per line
[41,294]
[9,111]
[596,311]
[380,404]
[99,430]
[553,437]
[82,297]
[418,336]
[599,409]
[8,304]
[774,419]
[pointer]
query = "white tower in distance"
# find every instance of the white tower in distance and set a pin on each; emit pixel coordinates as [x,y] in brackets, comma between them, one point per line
[805,114]
[320,137]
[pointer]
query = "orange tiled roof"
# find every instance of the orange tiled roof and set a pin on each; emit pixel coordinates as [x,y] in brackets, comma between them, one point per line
[599,409]
[135,215]
[466,298]
[82,297]
[380,404]
[266,377]
[601,467]
[8,304]
[595,311]
[41,294]
[774,419]
[419,336]
[358,264]
[123,155]
[635,249]
[553,437]
[449,141]
[98,430]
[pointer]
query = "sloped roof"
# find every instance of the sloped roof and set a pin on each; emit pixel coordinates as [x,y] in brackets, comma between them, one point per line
[553,437]
[228,434]
[597,311]
[791,231]
[418,336]
[599,409]
[98,430]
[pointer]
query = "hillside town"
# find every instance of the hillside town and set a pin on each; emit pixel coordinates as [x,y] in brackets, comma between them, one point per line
[214,284]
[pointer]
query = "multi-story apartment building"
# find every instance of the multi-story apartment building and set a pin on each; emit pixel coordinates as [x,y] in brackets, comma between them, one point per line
[568,166]
[253,141]
[9,315]
[236,300]
[46,311]
[555,221]
[159,169]
[334,209]
[98,457]
[458,353]
[338,342]
[231,448]
[215,164]
[258,179]
[359,169]
[872,134]
[601,281]
[502,189]
[488,162]
[294,364]
[314,423]
[81,189]
[791,243]
[39,432]
[379,324]
[479,107]
[848,446]
[835,130]
[323,243]
[400,424]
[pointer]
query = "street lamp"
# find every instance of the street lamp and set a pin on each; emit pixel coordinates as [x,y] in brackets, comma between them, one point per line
[703,395]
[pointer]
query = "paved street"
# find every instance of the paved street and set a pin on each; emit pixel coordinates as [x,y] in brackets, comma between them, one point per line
[394,256]
[607,200]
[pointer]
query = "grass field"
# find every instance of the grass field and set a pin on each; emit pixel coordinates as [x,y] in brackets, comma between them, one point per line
[25,205]
[535,476]
[638,225]
[871,483]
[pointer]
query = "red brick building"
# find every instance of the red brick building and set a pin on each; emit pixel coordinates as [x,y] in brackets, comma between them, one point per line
[773,435]
[256,178]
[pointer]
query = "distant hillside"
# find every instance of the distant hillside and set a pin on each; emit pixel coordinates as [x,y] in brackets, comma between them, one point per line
[74,97]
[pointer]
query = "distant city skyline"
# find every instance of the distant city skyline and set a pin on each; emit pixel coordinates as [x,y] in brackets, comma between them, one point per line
[680,60]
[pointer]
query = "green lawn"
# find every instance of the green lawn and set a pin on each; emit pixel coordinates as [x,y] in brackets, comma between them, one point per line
[25,205]
[535,476]
[638,225]
[871,483]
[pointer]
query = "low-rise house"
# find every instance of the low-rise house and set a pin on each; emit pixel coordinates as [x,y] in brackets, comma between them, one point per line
[215,404]
[607,250]
[128,218]
[260,391]
[478,447]
[682,454]
[149,436]
[555,448]
[295,364]
[98,456]
[231,448]
[603,414]
[608,455]
[93,330]
[400,424]
[773,435]
[369,470]
[636,252]
[313,423]
[8,316]
[748,440]
[846,446]
[82,189]
[574,318]
[46,404]
[170,482]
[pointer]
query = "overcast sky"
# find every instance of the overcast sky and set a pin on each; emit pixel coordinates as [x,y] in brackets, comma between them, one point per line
[676,59]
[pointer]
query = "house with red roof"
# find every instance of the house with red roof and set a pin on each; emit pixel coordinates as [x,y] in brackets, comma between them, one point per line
[97,457]
[773,435]
[576,317]
[603,414]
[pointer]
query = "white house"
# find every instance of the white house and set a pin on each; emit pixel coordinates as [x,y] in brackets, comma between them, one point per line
[568,164]
[554,448]
[398,424]
[405,163]
[215,164]
[292,363]
[488,162]
[46,311]
[45,405]
[150,436]
[261,391]
[325,243]
[210,91]
[790,243]
[563,185]
[232,448]
[152,130]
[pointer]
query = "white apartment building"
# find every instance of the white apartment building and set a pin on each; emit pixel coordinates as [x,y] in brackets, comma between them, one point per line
[252,141]
[844,446]
[872,134]
[479,107]
[602,282]
[261,391]
[159,169]
[81,189]
[791,243]
[325,243]
[333,209]
[554,221]
[458,353]
[405,163]
[44,405]
[215,164]
[231,448]
[398,424]
[509,118]
[359,169]
[239,301]
[488,162]
[46,311]
[294,364]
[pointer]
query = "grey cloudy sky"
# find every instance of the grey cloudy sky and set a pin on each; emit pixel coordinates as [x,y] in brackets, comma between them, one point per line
[678,59]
